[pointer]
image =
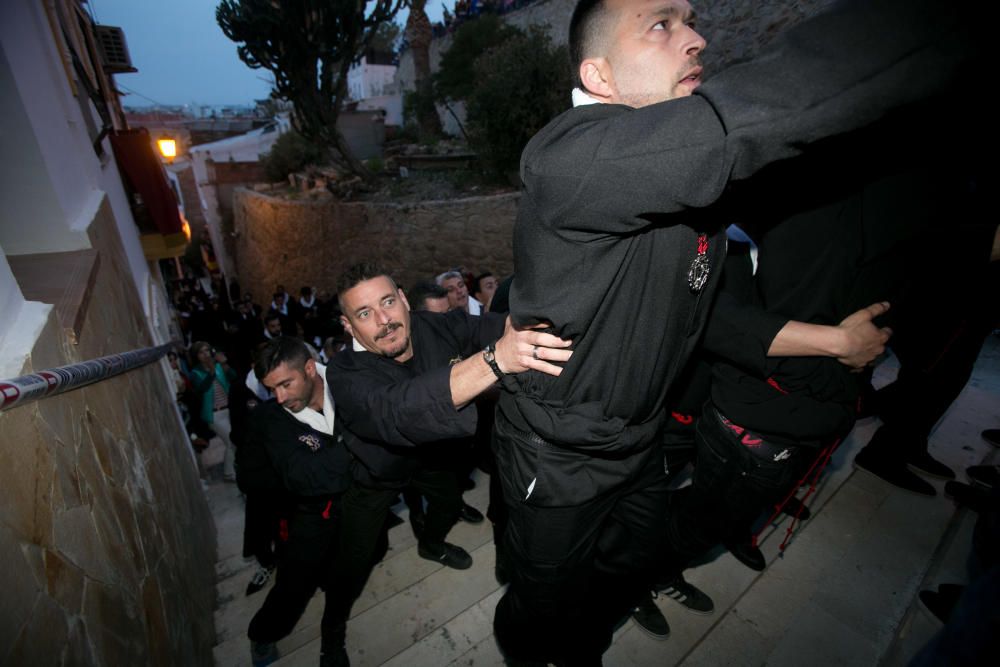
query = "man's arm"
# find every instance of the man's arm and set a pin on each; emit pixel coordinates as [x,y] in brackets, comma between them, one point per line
[516,351]
[855,342]
[838,72]
[426,408]
[744,334]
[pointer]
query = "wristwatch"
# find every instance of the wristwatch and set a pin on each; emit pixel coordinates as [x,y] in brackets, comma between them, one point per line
[490,358]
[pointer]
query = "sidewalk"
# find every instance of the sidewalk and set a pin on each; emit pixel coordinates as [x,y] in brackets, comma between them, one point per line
[844,592]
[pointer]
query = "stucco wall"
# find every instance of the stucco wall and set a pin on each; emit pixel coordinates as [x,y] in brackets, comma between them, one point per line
[107,544]
[298,243]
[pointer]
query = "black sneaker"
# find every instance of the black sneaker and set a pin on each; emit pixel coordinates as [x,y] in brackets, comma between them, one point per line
[894,474]
[748,554]
[447,554]
[987,476]
[470,514]
[992,436]
[650,619]
[928,465]
[686,594]
[263,653]
[259,579]
[335,658]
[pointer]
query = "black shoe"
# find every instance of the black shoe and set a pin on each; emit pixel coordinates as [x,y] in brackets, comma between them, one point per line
[335,658]
[796,508]
[447,554]
[748,554]
[992,436]
[894,474]
[470,514]
[928,465]
[263,653]
[686,594]
[987,476]
[650,619]
[973,497]
[941,602]
[259,579]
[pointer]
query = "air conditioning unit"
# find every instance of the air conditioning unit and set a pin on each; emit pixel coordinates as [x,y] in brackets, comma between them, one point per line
[114,50]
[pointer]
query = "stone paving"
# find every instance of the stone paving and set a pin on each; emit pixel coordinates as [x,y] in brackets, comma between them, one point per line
[843,593]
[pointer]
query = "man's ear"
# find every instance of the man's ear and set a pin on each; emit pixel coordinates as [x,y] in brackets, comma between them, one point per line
[402,297]
[595,73]
[347,325]
[310,368]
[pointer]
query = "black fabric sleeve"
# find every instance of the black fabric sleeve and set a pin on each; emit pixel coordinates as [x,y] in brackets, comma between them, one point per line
[741,333]
[404,413]
[829,75]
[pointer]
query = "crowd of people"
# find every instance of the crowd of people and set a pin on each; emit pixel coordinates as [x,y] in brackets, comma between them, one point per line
[705,275]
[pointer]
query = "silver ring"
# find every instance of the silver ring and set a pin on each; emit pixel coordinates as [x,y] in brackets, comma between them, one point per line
[534,352]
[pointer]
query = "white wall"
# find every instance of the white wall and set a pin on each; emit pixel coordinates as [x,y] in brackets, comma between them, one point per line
[52,182]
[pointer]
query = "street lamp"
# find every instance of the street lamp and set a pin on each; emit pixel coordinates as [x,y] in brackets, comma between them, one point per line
[168,147]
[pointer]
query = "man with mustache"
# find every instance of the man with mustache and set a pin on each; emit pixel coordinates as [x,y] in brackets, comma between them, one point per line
[404,396]
[616,244]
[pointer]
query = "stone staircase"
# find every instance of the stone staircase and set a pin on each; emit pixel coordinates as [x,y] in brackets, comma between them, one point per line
[843,593]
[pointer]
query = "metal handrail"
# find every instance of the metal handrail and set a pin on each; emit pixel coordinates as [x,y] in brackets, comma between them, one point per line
[43,384]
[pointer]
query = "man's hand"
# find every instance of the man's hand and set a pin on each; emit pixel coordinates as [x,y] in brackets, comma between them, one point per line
[863,342]
[521,349]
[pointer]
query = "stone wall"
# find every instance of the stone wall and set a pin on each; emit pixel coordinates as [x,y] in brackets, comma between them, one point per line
[226,178]
[106,540]
[307,242]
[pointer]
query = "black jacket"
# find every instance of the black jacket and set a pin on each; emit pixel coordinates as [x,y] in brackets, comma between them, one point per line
[615,198]
[310,465]
[395,415]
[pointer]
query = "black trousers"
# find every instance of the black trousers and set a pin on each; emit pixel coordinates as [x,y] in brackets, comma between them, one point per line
[305,562]
[575,570]
[364,511]
[731,487]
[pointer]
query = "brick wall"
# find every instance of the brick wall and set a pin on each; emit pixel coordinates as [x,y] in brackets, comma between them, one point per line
[298,243]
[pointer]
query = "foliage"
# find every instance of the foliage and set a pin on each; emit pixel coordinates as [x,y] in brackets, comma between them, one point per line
[386,38]
[290,153]
[521,84]
[308,45]
[456,75]
[418,103]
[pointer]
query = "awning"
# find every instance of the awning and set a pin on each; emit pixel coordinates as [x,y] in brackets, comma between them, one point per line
[154,202]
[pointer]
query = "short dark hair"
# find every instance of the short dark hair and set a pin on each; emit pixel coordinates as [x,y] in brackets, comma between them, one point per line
[422,291]
[271,316]
[584,29]
[358,274]
[478,279]
[280,350]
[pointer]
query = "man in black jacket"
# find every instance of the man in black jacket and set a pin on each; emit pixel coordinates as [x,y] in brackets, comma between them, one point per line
[615,246]
[296,432]
[404,395]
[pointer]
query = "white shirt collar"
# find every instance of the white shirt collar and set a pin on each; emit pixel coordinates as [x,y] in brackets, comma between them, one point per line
[319,422]
[581,98]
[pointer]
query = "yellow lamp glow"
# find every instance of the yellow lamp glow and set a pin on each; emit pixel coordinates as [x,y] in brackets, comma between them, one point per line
[167,146]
